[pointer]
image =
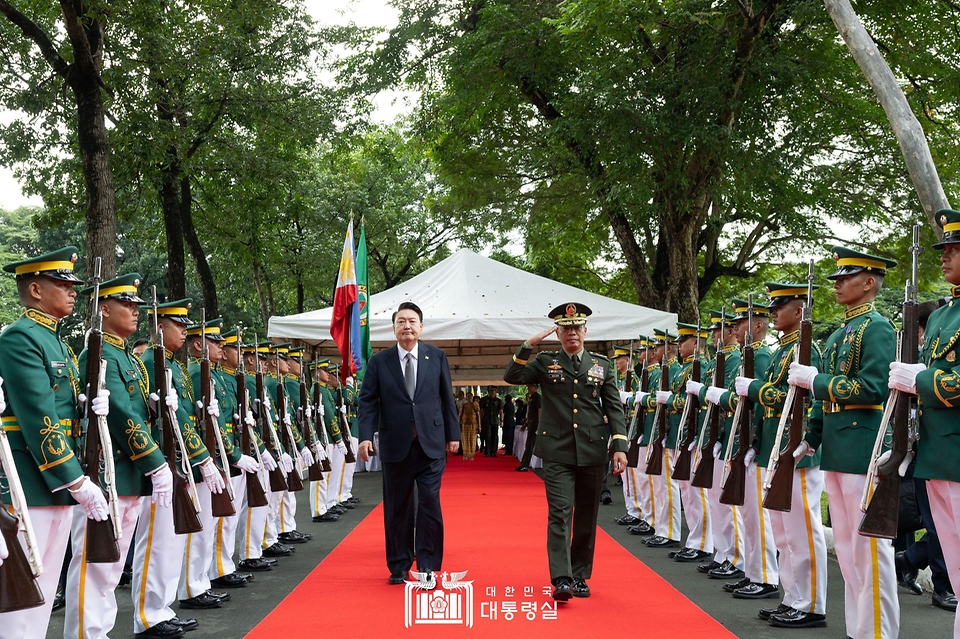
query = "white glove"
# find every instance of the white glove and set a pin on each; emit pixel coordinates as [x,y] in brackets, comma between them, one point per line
[3,407]
[101,403]
[801,375]
[749,463]
[714,393]
[306,456]
[342,447]
[640,395]
[212,477]
[287,421]
[717,449]
[343,409]
[4,553]
[318,451]
[663,397]
[162,494]
[693,387]
[308,412]
[154,398]
[625,396]
[350,382]
[904,465]
[286,463]
[214,408]
[268,461]
[171,400]
[903,377]
[692,446]
[247,464]
[248,419]
[804,449]
[320,409]
[742,384]
[92,500]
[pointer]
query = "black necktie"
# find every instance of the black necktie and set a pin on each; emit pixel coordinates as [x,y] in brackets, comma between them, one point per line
[409,377]
[576,362]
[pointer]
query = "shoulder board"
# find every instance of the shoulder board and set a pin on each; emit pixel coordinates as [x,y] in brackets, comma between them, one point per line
[599,356]
[550,354]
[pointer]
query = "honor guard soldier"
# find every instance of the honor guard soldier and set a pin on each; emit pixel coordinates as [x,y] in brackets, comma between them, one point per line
[351,394]
[631,484]
[328,432]
[338,452]
[798,532]
[223,571]
[725,519]
[158,550]
[651,348]
[140,469]
[291,386]
[666,488]
[935,380]
[581,406]
[762,575]
[699,543]
[42,384]
[852,389]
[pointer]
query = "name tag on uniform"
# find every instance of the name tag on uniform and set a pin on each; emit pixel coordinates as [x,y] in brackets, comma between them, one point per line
[58,364]
[132,373]
[554,372]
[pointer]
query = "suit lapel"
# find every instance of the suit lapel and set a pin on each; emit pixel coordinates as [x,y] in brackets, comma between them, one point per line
[423,363]
[393,363]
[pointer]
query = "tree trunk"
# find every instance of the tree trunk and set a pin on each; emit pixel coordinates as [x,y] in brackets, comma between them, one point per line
[207,284]
[906,128]
[170,203]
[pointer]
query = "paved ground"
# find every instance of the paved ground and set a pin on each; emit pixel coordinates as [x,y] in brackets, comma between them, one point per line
[249,605]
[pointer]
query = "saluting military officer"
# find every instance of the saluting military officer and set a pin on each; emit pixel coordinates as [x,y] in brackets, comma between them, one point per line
[631,484]
[935,381]
[798,533]
[41,421]
[158,550]
[580,394]
[140,468]
[853,387]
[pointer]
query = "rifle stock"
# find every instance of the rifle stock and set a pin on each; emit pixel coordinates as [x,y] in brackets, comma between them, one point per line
[321,424]
[734,488]
[639,415]
[221,505]
[681,469]
[703,474]
[278,481]
[256,497]
[294,481]
[348,456]
[18,584]
[655,452]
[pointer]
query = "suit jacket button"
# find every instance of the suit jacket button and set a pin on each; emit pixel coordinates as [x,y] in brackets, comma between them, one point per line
[574,425]
[574,411]
[574,395]
[576,381]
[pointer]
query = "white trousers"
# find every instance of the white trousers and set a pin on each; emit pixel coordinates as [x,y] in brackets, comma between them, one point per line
[271,529]
[157,562]
[870,604]
[803,550]
[253,523]
[225,535]
[945,506]
[198,552]
[346,484]
[631,492]
[760,551]
[338,469]
[646,490]
[91,601]
[726,523]
[51,527]
[667,494]
[695,511]
[318,496]
[288,512]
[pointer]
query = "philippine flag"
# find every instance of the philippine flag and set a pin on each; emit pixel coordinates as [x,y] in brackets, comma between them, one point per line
[345,322]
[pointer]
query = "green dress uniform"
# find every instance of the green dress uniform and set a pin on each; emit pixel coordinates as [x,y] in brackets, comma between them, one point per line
[728,403]
[572,442]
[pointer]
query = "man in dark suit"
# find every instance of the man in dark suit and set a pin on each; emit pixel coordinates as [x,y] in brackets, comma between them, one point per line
[407,396]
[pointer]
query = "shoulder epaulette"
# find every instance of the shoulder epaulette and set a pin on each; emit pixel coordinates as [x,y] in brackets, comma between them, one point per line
[599,356]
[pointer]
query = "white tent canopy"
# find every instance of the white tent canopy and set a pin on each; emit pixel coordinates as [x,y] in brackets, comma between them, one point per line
[479,311]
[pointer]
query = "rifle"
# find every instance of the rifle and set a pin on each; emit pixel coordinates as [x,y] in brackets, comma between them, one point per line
[221,505]
[881,511]
[102,536]
[348,457]
[315,471]
[321,424]
[294,480]
[691,410]
[734,488]
[18,573]
[639,414]
[655,449]
[278,482]
[256,496]
[703,474]
[185,502]
[779,484]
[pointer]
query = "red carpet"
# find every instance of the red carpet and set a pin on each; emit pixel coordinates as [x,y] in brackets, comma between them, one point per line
[495,521]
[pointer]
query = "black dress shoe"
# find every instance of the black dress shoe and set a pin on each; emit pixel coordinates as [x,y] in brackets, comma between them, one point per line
[580,588]
[229,581]
[705,568]
[347,505]
[945,600]
[126,576]
[327,516]
[185,624]
[244,575]
[59,602]
[256,565]
[736,585]
[337,510]
[222,596]
[757,591]
[605,498]
[202,601]
[277,550]
[521,469]
[163,630]
[562,588]
[662,542]
[642,529]
[906,573]
[798,619]
[690,554]
[397,578]
[353,500]
[726,571]
[766,613]
[627,520]
[292,538]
